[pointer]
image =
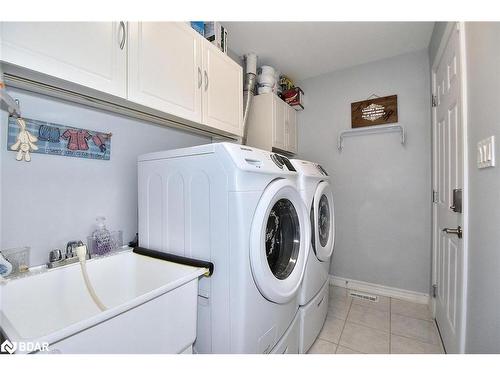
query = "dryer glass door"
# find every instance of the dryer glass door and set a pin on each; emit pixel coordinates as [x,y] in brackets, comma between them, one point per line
[282,238]
[278,244]
[323,222]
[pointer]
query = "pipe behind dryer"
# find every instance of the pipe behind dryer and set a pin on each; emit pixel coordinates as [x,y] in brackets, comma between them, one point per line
[248,90]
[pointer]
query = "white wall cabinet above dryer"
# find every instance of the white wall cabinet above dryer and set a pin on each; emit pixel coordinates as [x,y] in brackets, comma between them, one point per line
[164,68]
[91,54]
[272,124]
[175,70]
[222,91]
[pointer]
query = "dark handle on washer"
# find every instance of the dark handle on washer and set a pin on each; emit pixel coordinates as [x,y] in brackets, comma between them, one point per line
[176,259]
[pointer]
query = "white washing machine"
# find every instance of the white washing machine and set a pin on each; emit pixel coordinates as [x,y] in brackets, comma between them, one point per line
[314,186]
[239,208]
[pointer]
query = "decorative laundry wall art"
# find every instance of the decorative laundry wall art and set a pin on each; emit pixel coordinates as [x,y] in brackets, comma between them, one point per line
[25,142]
[376,111]
[56,139]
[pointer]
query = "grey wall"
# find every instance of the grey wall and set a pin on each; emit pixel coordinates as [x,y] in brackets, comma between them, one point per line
[52,200]
[483,62]
[382,189]
[437,34]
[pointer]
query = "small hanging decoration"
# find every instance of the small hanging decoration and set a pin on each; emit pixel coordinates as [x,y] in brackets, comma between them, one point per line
[25,142]
[376,111]
[55,139]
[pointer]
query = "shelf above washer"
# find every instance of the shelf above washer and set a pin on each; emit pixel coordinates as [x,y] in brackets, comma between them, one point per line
[371,130]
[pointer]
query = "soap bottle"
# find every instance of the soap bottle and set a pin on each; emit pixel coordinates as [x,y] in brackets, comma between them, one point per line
[5,266]
[102,237]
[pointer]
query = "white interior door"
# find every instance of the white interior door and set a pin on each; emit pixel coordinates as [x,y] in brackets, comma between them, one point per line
[449,167]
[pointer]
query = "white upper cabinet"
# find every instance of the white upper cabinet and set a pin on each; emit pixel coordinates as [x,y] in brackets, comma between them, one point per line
[272,124]
[291,128]
[279,123]
[165,68]
[222,91]
[91,54]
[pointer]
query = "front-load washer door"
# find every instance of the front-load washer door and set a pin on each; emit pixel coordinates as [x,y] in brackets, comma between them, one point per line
[323,222]
[278,243]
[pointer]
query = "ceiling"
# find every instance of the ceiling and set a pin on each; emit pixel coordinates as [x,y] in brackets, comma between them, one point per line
[307,49]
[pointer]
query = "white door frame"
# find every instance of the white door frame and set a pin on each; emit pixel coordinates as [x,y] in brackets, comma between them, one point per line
[450,27]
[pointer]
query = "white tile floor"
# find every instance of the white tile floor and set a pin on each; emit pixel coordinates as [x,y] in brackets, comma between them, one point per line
[355,326]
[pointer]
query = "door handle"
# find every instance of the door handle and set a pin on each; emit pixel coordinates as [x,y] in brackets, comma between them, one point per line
[124,34]
[206,80]
[457,231]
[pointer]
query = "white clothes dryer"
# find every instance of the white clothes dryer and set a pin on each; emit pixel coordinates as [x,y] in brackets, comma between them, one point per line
[315,189]
[239,208]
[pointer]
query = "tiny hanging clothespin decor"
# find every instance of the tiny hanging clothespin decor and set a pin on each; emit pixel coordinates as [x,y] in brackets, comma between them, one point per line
[25,142]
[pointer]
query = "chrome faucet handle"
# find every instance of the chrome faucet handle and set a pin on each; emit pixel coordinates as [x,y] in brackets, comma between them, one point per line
[69,249]
[55,255]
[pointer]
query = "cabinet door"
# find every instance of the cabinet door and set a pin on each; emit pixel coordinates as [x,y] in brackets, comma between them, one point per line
[91,54]
[164,68]
[279,125]
[222,91]
[291,127]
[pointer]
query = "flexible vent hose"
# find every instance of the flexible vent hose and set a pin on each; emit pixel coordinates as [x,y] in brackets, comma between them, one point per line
[249,84]
[81,252]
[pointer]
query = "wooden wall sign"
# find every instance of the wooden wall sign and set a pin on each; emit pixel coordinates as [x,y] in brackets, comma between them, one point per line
[377,111]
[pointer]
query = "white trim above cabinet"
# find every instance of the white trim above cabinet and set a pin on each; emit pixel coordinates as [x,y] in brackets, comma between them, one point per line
[162,69]
[272,124]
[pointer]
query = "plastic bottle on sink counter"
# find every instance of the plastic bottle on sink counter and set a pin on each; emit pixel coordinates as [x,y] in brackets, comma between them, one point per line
[103,240]
[5,266]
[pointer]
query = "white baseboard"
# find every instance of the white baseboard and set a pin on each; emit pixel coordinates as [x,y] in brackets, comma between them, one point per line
[381,290]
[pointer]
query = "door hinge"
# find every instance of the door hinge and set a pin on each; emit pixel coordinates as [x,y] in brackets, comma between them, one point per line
[434,100]
[434,290]
[435,196]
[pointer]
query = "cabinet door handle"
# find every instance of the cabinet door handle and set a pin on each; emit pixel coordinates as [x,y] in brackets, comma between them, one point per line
[206,80]
[123,31]
[199,77]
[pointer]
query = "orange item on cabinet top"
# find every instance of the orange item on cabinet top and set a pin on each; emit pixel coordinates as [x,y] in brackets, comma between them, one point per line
[294,98]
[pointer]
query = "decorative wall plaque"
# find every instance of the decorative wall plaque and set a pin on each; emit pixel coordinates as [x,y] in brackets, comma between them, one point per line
[56,139]
[377,111]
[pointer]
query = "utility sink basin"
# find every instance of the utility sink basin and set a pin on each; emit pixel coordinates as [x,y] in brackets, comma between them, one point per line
[151,307]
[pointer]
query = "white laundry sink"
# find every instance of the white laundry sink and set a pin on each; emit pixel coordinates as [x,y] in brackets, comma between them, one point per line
[151,307]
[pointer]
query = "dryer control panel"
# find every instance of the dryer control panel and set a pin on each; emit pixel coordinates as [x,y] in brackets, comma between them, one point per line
[308,168]
[250,158]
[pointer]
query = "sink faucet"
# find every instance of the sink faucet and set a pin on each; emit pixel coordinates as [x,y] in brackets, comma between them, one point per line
[70,247]
[57,259]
